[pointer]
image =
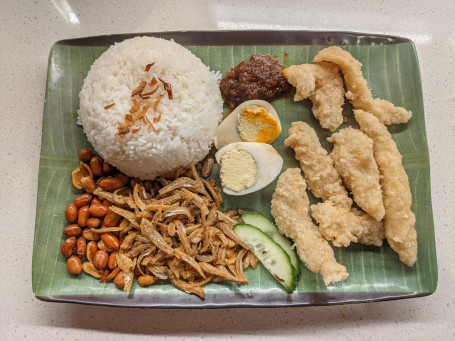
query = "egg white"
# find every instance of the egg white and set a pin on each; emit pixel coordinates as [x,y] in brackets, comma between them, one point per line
[227,132]
[268,160]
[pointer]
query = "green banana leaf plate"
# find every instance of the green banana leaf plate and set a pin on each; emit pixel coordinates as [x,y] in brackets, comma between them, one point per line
[391,67]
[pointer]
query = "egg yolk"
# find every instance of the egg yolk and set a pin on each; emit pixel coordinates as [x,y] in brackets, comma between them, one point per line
[257,125]
[239,170]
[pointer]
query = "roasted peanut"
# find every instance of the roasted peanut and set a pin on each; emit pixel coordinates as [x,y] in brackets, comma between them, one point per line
[88,184]
[137,272]
[96,165]
[71,213]
[91,270]
[89,235]
[97,201]
[111,219]
[110,183]
[72,230]
[208,166]
[76,176]
[113,274]
[108,169]
[86,170]
[121,177]
[92,249]
[135,182]
[107,203]
[83,199]
[98,210]
[81,247]
[85,154]
[110,241]
[104,276]
[100,259]
[93,222]
[118,280]
[155,188]
[112,262]
[148,185]
[145,280]
[188,173]
[83,215]
[102,246]
[68,247]
[74,265]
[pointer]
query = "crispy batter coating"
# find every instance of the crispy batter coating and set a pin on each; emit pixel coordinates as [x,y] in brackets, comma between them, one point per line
[353,158]
[290,206]
[343,226]
[399,220]
[322,84]
[320,174]
[374,233]
[358,92]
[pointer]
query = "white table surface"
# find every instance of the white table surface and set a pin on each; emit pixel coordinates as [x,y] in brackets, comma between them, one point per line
[27,31]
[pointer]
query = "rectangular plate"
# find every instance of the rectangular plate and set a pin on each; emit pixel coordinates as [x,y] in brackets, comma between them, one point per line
[391,67]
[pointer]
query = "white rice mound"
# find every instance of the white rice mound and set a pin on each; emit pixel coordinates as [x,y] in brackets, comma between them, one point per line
[188,122]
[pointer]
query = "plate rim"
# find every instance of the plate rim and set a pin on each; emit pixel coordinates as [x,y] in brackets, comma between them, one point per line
[249,37]
[337,36]
[123,301]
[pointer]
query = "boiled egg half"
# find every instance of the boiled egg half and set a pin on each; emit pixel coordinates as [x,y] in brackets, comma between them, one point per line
[246,167]
[251,121]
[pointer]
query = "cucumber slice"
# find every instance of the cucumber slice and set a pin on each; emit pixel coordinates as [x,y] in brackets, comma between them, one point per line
[270,254]
[268,227]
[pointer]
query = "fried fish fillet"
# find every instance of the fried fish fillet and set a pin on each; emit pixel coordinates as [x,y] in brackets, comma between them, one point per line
[374,233]
[290,206]
[353,158]
[325,183]
[342,226]
[320,174]
[322,84]
[358,92]
[399,220]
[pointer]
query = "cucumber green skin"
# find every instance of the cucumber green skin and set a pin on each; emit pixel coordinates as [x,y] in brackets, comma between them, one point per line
[243,230]
[268,227]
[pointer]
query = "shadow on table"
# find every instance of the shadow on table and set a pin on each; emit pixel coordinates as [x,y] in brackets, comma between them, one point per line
[268,321]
